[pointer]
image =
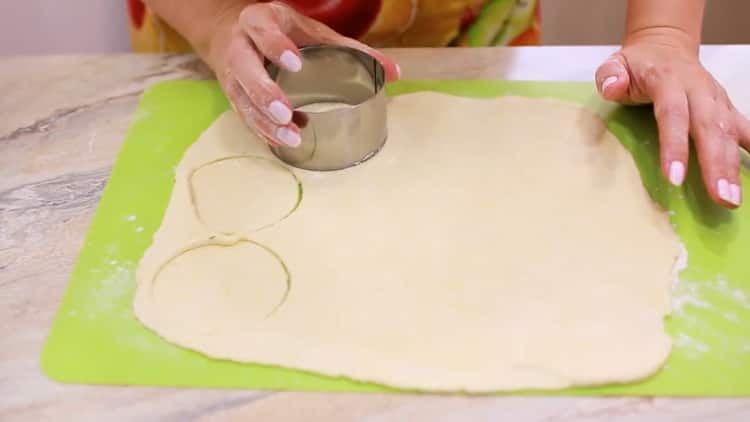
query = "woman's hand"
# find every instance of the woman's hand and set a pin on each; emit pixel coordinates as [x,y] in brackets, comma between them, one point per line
[656,66]
[244,38]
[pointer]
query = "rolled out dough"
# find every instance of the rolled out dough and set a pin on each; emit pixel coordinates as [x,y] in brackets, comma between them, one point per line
[491,245]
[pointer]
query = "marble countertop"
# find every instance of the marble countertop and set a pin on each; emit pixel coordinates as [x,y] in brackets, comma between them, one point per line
[62,122]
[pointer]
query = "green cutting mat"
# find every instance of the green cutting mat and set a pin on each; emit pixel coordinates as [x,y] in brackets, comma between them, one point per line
[95,338]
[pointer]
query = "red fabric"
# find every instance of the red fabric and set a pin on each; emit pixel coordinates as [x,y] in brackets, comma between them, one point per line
[348,17]
[137,12]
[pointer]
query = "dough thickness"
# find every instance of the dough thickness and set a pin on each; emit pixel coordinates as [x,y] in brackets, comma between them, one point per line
[491,245]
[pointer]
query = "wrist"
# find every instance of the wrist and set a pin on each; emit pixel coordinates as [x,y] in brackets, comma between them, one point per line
[665,36]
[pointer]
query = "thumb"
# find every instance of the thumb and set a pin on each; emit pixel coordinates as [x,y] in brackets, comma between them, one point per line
[613,79]
[392,70]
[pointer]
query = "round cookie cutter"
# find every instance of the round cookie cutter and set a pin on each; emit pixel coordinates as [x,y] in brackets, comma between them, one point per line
[339,104]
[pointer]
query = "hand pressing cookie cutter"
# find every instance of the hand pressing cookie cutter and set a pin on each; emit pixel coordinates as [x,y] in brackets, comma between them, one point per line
[340,107]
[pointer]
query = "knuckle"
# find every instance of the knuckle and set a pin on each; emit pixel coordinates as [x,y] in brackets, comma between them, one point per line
[670,111]
[260,122]
[251,114]
[234,53]
[237,95]
[264,86]
[256,122]
[234,92]
[250,12]
[657,72]
[247,15]
[675,144]
[265,21]
[279,11]
[276,6]
[257,130]
[727,129]
[255,14]
[706,126]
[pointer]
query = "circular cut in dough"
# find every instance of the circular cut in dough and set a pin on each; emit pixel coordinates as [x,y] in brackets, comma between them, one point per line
[243,194]
[215,288]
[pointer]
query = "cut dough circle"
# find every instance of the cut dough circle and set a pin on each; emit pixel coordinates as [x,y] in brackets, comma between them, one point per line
[263,192]
[227,287]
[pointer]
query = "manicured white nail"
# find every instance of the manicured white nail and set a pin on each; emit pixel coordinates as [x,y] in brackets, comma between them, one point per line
[723,186]
[288,137]
[735,194]
[676,173]
[280,112]
[608,82]
[290,61]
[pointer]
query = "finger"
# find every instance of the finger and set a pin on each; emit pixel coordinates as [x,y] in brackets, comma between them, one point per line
[672,112]
[392,70]
[731,132]
[734,163]
[673,119]
[613,79]
[714,140]
[743,127]
[286,135]
[247,67]
[303,31]
[277,29]
[241,103]
[267,25]
[255,119]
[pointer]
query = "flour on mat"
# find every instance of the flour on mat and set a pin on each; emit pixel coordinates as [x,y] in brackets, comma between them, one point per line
[690,298]
[684,341]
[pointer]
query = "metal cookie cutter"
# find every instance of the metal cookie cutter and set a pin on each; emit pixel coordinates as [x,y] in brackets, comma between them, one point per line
[340,107]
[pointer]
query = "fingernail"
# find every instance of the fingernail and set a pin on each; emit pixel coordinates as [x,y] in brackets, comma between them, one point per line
[280,112]
[676,173]
[723,186]
[398,70]
[290,61]
[608,82]
[288,137]
[735,194]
